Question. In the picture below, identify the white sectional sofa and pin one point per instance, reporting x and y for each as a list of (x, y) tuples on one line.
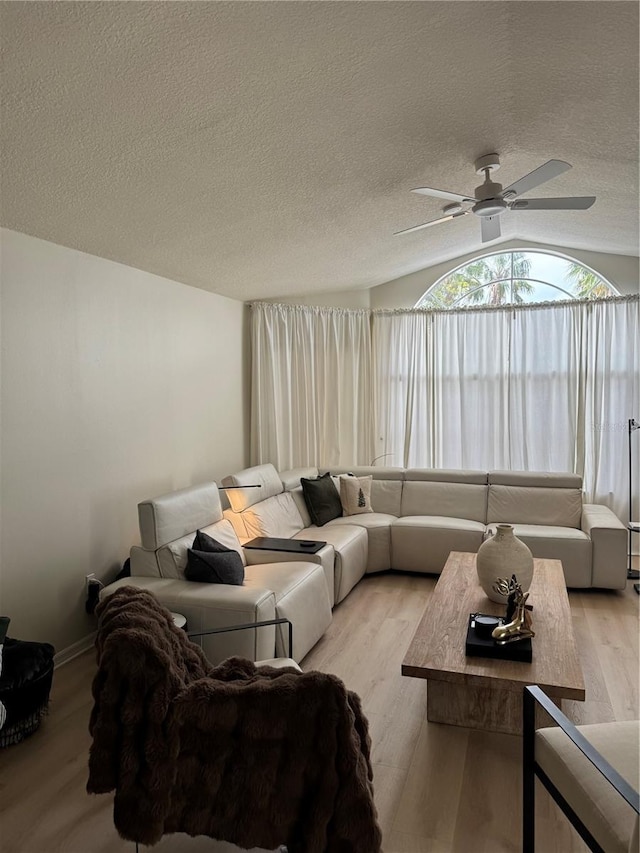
[(420, 515)]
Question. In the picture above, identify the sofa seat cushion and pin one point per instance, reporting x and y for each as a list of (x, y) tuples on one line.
[(441, 522), (378, 527), (606, 815), (350, 543), (301, 595), (422, 543), (571, 546)]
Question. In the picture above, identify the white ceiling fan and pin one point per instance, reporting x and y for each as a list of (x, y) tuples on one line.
[(491, 200)]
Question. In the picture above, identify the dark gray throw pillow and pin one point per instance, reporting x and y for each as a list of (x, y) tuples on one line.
[(322, 499), (209, 561), (204, 542)]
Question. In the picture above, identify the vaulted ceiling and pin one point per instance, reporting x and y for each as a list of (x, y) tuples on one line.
[(261, 149)]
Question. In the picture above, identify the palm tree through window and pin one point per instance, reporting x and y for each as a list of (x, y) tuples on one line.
[(516, 278)]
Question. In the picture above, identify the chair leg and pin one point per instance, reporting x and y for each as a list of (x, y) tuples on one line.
[(528, 773)]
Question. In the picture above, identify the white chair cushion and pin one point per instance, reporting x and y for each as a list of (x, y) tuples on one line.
[(606, 815), (279, 663)]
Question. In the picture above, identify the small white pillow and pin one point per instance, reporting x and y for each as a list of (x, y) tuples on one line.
[(355, 494)]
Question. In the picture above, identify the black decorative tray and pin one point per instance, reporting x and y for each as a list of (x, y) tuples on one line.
[(476, 646), (292, 546)]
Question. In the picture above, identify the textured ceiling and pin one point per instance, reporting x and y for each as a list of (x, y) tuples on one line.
[(268, 149)]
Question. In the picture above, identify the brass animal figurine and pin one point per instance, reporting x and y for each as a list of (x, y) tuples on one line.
[(518, 623)]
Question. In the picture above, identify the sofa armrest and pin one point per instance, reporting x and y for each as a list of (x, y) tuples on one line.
[(212, 605), (325, 557), (609, 546)]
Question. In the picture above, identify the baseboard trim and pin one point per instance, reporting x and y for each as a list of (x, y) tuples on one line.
[(74, 650)]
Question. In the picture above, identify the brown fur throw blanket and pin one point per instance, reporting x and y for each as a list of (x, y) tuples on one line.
[(258, 757)]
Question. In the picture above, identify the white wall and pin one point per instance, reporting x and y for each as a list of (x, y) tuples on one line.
[(117, 385), (621, 270)]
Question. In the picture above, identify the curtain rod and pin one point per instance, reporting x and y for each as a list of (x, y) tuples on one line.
[(469, 309)]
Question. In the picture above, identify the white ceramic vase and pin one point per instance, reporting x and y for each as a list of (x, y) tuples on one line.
[(501, 556)]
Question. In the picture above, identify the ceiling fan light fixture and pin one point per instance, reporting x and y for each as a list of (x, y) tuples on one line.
[(490, 207)]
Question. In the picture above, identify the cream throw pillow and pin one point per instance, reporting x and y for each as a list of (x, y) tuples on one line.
[(355, 494)]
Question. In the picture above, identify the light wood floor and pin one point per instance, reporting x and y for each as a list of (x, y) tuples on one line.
[(438, 788)]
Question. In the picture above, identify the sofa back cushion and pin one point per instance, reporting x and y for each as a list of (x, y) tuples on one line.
[(291, 478), (535, 497), (172, 557), (452, 494), (543, 479), (264, 476), (555, 507), (451, 500), (297, 496), (277, 516), (173, 515), (386, 496)]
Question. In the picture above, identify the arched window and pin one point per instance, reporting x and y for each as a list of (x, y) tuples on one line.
[(508, 278)]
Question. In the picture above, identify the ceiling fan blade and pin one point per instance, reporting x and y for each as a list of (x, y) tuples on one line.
[(576, 203), (442, 194), (432, 222), (490, 228), (548, 170)]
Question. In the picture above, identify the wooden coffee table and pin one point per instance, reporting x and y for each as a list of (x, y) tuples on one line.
[(484, 693)]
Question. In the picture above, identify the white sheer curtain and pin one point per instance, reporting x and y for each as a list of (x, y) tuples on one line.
[(547, 388), (311, 386)]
